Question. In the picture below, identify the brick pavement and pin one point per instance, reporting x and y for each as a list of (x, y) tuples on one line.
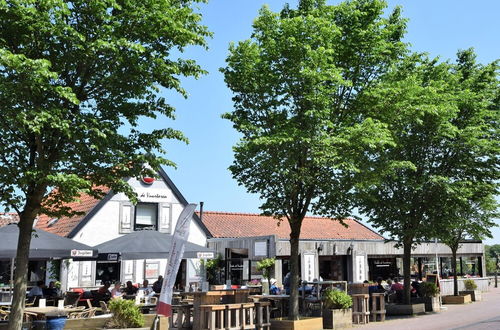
[(480, 315)]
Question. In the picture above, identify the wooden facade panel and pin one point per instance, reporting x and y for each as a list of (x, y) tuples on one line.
[(376, 248), (221, 244)]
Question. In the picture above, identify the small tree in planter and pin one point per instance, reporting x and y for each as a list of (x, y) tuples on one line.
[(125, 315), (337, 312), (266, 266), (470, 288), (430, 293)]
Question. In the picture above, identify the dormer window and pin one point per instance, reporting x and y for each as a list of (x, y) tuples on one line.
[(146, 216)]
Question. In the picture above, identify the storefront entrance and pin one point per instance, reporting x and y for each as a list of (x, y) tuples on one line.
[(237, 269), (382, 267), (333, 268)]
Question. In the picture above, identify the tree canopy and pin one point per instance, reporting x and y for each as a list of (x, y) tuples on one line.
[(296, 84), (442, 171), (75, 78)]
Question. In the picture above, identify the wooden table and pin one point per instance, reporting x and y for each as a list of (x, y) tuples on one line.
[(231, 296), (43, 311)]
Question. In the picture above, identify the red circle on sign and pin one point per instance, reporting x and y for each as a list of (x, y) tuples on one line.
[(148, 180)]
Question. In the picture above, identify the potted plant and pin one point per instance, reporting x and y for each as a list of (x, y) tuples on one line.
[(337, 311), (470, 288), (430, 297), (125, 315)]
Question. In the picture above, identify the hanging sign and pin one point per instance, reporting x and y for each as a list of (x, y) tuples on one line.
[(179, 239), (82, 253), (205, 255)]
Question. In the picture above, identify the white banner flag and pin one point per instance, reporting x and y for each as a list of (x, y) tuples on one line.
[(179, 239)]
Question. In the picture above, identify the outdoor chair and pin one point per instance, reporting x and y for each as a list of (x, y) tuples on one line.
[(104, 307), (4, 315), (71, 298), (32, 301), (86, 313)]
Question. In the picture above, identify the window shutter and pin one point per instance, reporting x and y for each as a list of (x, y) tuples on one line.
[(126, 217), (164, 217)]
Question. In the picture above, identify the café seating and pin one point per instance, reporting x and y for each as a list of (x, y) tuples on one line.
[(181, 317), (360, 312), (262, 315), (212, 317), (378, 307), (86, 313)]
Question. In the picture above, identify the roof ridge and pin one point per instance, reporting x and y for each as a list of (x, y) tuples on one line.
[(261, 215)]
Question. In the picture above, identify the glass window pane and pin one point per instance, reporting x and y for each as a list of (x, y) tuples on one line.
[(146, 214)]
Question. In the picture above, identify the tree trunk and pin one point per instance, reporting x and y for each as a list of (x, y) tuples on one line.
[(294, 271), (407, 272), (21, 271), (454, 268)]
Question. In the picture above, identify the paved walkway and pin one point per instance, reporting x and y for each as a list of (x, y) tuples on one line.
[(479, 315)]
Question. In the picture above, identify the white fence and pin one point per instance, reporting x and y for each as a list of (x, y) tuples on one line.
[(447, 285)]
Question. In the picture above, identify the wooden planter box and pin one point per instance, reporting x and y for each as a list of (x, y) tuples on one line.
[(100, 322), (462, 299), (399, 309), (337, 318), (432, 304), (474, 294), (305, 323)]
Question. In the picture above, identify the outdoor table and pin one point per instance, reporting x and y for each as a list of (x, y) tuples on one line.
[(213, 298), (43, 311)]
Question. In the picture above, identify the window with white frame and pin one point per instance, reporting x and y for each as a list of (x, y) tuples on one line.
[(146, 216)]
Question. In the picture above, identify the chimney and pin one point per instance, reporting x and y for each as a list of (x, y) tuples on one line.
[(201, 211)]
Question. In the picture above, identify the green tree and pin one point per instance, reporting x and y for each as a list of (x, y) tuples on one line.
[(467, 220), (471, 182), (296, 83), (75, 78), (490, 254), (445, 153)]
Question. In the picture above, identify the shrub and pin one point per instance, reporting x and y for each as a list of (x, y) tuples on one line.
[(470, 285), (335, 299), (429, 289), (125, 314)]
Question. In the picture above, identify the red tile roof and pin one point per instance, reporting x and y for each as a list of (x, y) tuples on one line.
[(8, 217), (64, 225), (222, 224)]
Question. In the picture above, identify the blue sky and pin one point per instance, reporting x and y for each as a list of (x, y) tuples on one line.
[(439, 27)]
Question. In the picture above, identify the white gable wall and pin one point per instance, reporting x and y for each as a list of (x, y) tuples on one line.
[(105, 224)]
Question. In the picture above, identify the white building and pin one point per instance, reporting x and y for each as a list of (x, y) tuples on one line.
[(160, 204)]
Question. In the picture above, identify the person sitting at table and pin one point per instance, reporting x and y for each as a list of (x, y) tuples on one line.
[(105, 288), (158, 284), (116, 292), (37, 291), (130, 289), (51, 291), (145, 289), (274, 289), (396, 286)]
